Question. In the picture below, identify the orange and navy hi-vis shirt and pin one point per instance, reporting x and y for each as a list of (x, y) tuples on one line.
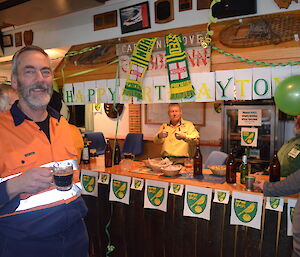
[(24, 146)]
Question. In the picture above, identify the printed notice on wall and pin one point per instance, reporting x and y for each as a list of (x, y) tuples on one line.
[(249, 118)]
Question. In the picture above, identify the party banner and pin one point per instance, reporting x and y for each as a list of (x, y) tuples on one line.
[(156, 195), (137, 184), (249, 136), (197, 202), (241, 84), (221, 196), (104, 178), (119, 189), (290, 214), (274, 203), (246, 209), (176, 189), (89, 182)]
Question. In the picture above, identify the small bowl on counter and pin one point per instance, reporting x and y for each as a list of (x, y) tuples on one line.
[(218, 170), (171, 170)]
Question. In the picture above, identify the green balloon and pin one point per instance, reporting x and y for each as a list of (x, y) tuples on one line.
[(287, 95)]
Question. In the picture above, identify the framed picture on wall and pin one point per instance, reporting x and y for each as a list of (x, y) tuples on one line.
[(164, 11), (185, 5), (135, 17), (18, 39), (7, 40), (158, 113), (105, 20)]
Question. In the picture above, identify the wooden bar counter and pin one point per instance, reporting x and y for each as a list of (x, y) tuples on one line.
[(138, 232)]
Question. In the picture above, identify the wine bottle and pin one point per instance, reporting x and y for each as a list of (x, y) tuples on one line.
[(85, 156), (230, 169), (117, 155), (108, 155), (243, 169), (274, 168), (197, 161)]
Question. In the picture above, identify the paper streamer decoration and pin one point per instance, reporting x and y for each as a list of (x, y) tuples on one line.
[(221, 196), (197, 202), (137, 184), (246, 209), (89, 182), (104, 178), (290, 215), (249, 136), (119, 189), (274, 203), (156, 195), (176, 189)]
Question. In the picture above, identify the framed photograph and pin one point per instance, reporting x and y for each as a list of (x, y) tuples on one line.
[(135, 17), (185, 5), (105, 20), (164, 11), (18, 39), (7, 40), (158, 113), (203, 4)]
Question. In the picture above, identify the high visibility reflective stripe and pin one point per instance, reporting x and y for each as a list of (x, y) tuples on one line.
[(9, 177), (49, 197)]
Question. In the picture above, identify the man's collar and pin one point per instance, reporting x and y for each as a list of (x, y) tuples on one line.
[(180, 122), (19, 116)]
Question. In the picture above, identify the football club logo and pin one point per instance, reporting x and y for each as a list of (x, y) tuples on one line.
[(137, 183), (221, 196), (119, 188), (245, 210), (248, 137), (196, 202), (155, 195), (89, 183), (176, 188), (274, 203), (104, 178), (292, 213)]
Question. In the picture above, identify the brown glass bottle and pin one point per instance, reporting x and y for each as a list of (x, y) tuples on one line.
[(274, 168), (230, 169), (117, 154), (85, 156), (197, 161), (108, 155)]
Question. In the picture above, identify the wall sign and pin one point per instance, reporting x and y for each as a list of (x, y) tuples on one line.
[(164, 11), (249, 118), (105, 20)]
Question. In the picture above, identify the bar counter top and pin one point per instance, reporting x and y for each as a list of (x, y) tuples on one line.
[(95, 165)]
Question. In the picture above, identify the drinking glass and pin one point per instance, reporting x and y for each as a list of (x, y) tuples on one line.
[(63, 176)]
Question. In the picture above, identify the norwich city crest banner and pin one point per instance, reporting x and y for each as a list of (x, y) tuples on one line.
[(137, 184), (274, 203), (290, 215), (176, 189), (246, 209), (197, 202), (89, 182), (119, 189), (249, 137), (221, 196), (156, 195)]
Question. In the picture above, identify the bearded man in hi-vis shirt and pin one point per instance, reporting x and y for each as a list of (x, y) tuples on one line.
[(35, 219)]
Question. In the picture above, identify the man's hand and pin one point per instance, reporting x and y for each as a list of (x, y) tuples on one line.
[(180, 136), (31, 181), (163, 134), (258, 185)]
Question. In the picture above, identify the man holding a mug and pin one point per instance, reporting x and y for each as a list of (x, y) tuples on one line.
[(34, 136)]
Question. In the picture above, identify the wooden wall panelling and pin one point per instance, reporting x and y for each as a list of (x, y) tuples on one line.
[(135, 125)]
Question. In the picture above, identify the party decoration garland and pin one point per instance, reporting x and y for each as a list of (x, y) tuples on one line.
[(178, 71), (138, 65)]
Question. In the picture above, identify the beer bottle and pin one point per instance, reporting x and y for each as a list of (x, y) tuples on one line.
[(108, 155), (117, 155), (85, 157), (230, 169), (197, 160), (243, 169), (274, 168)]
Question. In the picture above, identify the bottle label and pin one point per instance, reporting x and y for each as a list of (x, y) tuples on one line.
[(85, 153)]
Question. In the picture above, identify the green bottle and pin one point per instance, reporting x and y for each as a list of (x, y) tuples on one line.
[(243, 169)]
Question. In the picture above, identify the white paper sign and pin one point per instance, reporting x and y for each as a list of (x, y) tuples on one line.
[(290, 215), (119, 189), (274, 203), (137, 184), (89, 182), (221, 196), (249, 117), (246, 209), (104, 178), (249, 136), (176, 189), (197, 202), (156, 195)]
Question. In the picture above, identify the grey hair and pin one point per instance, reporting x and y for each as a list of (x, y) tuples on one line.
[(22, 50)]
